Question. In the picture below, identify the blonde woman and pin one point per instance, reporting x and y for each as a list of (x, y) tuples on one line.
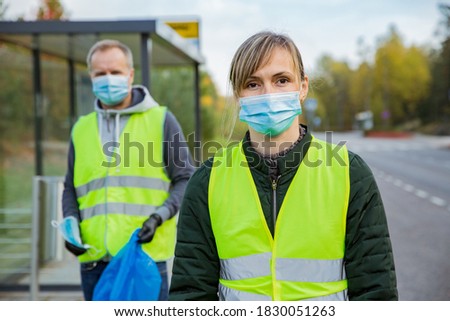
[(282, 215)]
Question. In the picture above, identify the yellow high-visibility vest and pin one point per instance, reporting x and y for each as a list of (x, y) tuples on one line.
[(304, 258), (118, 187)]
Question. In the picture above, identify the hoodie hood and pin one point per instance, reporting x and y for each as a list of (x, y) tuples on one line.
[(112, 121)]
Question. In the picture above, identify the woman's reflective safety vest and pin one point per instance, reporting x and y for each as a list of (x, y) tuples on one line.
[(119, 185), (304, 259)]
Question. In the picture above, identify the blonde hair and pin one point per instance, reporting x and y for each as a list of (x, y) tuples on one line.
[(106, 44), (252, 54), (256, 52)]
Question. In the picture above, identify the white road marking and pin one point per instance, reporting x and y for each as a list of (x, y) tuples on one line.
[(411, 189), (421, 194), (437, 201), (408, 188), (398, 182)]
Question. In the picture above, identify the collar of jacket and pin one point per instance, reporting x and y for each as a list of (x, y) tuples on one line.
[(285, 163)]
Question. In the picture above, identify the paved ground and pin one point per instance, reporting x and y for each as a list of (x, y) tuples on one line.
[(59, 280)]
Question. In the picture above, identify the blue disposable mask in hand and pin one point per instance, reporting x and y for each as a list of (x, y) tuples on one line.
[(70, 230), (270, 114), (111, 89)]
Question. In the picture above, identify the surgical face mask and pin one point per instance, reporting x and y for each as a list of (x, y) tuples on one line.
[(70, 231), (270, 114), (110, 89)]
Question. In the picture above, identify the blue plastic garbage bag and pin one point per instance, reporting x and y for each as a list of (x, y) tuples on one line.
[(132, 275)]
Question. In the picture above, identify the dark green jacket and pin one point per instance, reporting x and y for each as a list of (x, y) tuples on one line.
[(369, 261)]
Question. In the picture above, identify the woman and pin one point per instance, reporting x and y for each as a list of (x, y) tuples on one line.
[(282, 215)]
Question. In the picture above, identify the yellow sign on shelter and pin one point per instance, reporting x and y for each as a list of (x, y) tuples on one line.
[(188, 29)]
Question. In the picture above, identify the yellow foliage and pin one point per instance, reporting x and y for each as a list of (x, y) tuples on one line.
[(206, 101)]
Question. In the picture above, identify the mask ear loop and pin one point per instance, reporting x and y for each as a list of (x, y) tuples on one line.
[(54, 223)]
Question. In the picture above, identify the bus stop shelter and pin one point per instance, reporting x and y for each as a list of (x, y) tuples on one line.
[(152, 42)]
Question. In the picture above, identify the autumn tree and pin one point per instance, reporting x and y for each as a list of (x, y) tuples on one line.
[(212, 105), (51, 10), (360, 89), (361, 80), (401, 79), (331, 84)]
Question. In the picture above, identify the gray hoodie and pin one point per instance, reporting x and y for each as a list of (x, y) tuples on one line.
[(177, 159)]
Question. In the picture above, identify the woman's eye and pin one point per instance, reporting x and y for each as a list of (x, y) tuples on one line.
[(283, 81), (252, 85)]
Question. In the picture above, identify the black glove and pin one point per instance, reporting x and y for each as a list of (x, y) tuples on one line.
[(75, 250), (149, 228)]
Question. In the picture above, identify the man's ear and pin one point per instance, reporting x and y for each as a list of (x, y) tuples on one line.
[(131, 76)]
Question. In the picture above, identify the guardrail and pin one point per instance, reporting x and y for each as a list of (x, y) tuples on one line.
[(27, 238)]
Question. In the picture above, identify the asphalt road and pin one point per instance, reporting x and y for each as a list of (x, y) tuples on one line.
[(413, 175)]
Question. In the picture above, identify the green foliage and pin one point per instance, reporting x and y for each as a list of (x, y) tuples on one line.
[(16, 113), (401, 77), (435, 109), (332, 87), (210, 103), (174, 87)]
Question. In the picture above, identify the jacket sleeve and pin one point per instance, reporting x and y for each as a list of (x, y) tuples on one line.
[(195, 274), (69, 198), (178, 165), (369, 259)]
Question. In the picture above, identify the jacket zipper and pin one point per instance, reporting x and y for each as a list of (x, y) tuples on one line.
[(274, 200)]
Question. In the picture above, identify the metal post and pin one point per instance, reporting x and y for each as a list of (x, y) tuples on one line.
[(146, 52), (54, 246), (72, 90), (38, 108), (198, 119), (34, 275)]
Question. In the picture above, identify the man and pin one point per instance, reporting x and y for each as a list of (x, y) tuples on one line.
[(128, 165)]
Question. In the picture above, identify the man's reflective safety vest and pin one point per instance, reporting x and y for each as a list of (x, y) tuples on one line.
[(304, 259), (118, 186)]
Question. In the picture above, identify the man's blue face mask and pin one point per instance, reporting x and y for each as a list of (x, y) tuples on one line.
[(111, 89), (270, 114), (70, 231)]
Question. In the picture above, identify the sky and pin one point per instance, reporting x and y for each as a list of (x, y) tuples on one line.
[(318, 27)]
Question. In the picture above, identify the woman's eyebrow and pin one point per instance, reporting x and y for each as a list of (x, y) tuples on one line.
[(283, 73)]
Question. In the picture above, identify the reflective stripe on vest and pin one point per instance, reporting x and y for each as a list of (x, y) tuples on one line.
[(117, 189), (258, 265), (304, 260), (130, 181), (229, 294), (117, 208)]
